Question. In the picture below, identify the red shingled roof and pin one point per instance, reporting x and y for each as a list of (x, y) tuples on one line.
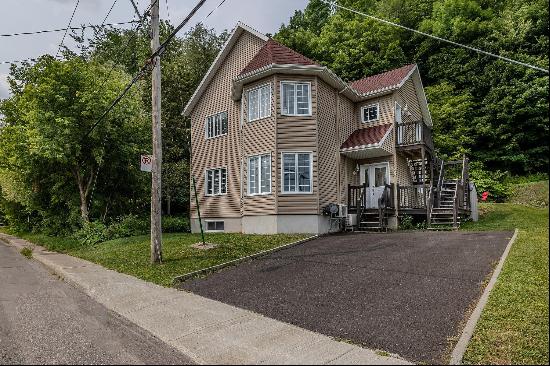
[(380, 81), (275, 53), (366, 136)]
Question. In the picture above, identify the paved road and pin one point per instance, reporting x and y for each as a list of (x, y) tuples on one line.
[(44, 320), (405, 292)]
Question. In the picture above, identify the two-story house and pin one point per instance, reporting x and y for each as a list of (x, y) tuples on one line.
[(276, 138)]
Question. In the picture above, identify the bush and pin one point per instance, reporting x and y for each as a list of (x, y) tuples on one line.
[(91, 233), (406, 222), (175, 224), (492, 182), (129, 225)]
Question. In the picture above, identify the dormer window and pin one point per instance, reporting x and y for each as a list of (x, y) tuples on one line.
[(370, 113), (295, 98)]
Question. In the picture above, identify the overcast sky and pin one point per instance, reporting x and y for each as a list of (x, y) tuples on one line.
[(32, 15)]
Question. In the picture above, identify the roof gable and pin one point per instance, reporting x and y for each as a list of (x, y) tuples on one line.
[(274, 53), (239, 29), (387, 80)]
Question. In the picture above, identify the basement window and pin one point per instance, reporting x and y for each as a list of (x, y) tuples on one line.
[(215, 226)]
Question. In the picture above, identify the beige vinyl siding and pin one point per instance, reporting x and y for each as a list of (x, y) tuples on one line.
[(329, 145), (406, 95), (385, 111), (347, 124), (297, 133), (403, 172), (223, 151), (258, 137)]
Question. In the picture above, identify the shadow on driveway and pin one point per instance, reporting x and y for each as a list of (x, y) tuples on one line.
[(406, 293)]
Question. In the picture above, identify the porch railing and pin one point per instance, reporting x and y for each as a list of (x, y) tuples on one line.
[(413, 133), (412, 197)]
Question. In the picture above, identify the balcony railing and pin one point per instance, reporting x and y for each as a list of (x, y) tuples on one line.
[(413, 133)]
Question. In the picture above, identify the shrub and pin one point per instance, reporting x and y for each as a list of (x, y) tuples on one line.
[(406, 222), (91, 233), (492, 182), (129, 225), (175, 224), (26, 252)]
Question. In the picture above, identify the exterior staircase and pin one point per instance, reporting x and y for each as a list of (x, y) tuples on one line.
[(370, 220), (442, 217)]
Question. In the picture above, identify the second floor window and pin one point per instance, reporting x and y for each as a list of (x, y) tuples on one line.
[(370, 113), (297, 172), (259, 102), (295, 98), (216, 125), (216, 181), (259, 174)]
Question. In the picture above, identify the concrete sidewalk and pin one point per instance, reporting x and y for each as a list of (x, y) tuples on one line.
[(207, 331)]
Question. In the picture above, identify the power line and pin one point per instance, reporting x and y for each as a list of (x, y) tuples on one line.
[(63, 29), (68, 26), (149, 61), (109, 12), (334, 4)]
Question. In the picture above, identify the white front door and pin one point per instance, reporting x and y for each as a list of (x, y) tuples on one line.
[(375, 176)]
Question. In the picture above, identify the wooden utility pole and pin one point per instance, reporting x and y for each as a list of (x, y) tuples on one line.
[(156, 208)]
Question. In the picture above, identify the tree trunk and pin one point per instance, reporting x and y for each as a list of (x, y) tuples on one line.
[(84, 191), (168, 205)]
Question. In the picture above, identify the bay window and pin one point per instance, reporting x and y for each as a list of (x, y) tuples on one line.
[(297, 172), (259, 102), (259, 174), (295, 98)]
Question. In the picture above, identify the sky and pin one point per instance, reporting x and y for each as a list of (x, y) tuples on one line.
[(265, 16)]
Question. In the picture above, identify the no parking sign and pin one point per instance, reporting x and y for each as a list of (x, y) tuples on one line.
[(146, 163)]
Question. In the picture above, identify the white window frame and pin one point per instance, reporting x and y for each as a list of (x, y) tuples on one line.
[(257, 88), (214, 122), (259, 156), (283, 192), (214, 231), (377, 105), (309, 114), (220, 183)]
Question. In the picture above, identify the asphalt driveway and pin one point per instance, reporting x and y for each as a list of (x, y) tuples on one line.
[(406, 293)]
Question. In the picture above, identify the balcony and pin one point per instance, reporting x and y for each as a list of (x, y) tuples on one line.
[(413, 135)]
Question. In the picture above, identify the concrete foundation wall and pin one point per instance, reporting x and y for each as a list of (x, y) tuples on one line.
[(270, 224)]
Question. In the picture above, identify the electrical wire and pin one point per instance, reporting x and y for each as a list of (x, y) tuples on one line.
[(68, 26), (62, 29), (507, 59)]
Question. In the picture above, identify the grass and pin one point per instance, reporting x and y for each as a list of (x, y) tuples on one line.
[(532, 194), (131, 255), (26, 252), (513, 328)]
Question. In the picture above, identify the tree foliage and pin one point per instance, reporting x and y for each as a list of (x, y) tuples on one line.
[(495, 112)]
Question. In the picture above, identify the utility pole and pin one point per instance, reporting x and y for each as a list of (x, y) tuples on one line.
[(156, 208)]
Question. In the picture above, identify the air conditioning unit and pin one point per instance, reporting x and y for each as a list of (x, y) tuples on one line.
[(342, 210), (352, 220)]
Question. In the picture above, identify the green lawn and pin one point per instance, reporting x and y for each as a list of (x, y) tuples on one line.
[(131, 255), (513, 328)]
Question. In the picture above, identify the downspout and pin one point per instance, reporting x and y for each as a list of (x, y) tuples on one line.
[(241, 120), (338, 156)]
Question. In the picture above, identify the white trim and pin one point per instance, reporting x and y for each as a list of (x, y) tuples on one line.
[(377, 104), (296, 82), (206, 182), (260, 175), (283, 192), (248, 120), (239, 28)]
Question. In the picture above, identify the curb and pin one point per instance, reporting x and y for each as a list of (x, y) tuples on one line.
[(182, 278), (462, 344)]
